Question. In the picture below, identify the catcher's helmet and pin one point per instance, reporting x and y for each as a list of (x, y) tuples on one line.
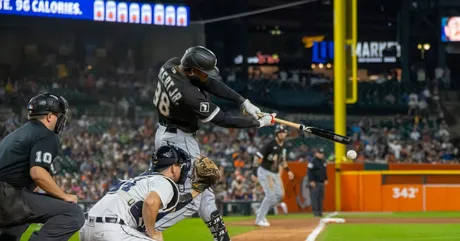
[(43, 104), (170, 155), (280, 128), (201, 58)]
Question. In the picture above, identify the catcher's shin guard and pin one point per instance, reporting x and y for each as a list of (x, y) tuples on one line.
[(217, 227)]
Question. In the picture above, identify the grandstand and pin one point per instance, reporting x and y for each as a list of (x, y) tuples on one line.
[(402, 126)]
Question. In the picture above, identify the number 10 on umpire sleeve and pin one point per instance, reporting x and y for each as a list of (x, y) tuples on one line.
[(44, 157)]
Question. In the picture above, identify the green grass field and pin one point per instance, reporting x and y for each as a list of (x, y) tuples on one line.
[(195, 229), (191, 229), (393, 232)]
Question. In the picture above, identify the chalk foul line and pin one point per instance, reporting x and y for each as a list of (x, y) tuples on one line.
[(322, 223)]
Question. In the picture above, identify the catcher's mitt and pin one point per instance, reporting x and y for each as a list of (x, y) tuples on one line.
[(205, 174)]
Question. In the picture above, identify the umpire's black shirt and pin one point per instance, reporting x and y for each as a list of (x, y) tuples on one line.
[(317, 170), (30, 145)]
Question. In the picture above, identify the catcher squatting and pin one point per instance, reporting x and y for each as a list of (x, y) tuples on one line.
[(130, 210)]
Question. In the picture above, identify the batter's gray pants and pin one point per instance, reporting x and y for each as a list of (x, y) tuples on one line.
[(274, 192), (204, 203), (317, 197)]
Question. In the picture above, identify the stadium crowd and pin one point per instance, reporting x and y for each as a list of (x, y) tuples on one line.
[(97, 152)]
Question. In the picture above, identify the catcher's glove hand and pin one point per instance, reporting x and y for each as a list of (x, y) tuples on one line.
[(205, 174)]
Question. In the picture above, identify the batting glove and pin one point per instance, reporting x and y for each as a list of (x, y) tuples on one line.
[(267, 120), (249, 108)]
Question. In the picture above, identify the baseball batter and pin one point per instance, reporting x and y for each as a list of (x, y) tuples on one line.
[(273, 154), (130, 210), (182, 103)]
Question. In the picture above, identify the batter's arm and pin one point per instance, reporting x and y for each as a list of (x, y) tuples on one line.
[(229, 121), (210, 112), (219, 89)]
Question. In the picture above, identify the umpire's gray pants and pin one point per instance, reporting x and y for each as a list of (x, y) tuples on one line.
[(205, 203), (274, 192), (317, 197)]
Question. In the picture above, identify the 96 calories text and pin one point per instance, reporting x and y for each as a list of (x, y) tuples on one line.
[(47, 7)]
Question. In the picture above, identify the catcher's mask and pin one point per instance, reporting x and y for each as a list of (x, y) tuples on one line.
[(169, 155)]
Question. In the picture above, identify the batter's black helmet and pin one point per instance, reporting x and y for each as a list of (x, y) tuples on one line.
[(201, 58), (170, 155), (43, 104)]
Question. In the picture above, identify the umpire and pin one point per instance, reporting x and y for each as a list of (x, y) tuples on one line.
[(26, 161), (317, 175)]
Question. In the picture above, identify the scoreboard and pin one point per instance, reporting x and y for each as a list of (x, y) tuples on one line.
[(100, 10)]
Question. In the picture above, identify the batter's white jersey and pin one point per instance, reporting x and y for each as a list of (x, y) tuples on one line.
[(127, 198)]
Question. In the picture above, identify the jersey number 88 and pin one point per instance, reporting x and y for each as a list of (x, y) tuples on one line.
[(161, 100)]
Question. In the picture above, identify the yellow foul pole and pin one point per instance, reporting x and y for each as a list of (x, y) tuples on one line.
[(339, 90)]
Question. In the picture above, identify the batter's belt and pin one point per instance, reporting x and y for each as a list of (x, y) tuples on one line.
[(173, 130)]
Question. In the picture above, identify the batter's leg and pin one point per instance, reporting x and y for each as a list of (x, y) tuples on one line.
[(255, 207), (269, 199), (158, 135), (284, 207), (172, 218), (278, 188), (212, 217), (189, 144), (279, 191)]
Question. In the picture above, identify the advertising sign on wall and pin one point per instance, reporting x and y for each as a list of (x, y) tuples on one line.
[(366, 51), (99, 10), (260, 58)]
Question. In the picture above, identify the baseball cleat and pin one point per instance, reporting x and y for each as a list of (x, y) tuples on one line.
[(263, 223)]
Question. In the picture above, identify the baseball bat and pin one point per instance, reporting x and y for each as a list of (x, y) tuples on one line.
[(328, 135)]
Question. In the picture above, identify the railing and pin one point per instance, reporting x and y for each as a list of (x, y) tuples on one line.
[(228, 208)]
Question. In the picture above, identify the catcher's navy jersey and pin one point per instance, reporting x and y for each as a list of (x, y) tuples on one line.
[(179, 103), (272, 155), (30, 145)]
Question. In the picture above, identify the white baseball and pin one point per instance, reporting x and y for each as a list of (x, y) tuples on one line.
[(352, 154)]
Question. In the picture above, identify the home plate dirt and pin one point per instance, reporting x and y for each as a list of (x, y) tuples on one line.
[(280, 229)]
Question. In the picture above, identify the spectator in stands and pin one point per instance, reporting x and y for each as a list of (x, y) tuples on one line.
[(415, 134), (413, 104)]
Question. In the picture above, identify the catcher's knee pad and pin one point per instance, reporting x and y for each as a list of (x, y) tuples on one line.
[(217, 227)]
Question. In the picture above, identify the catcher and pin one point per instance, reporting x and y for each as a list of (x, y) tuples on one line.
[(130, 210)]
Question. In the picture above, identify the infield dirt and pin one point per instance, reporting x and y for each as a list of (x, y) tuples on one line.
[(280, 229)]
